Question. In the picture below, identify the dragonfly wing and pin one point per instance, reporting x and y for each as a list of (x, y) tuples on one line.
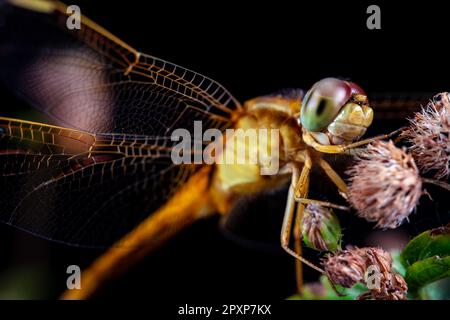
[(89, 79), (397, 106), (74, 188), (80, 188)]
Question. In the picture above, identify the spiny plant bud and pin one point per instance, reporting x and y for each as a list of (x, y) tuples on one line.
[(348, 267), (385, 185), (378, 257), (429, 136), (392, 287), (345, 267), (320, 228)]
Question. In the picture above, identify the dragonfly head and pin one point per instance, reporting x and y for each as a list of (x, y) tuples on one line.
[(335, 111)]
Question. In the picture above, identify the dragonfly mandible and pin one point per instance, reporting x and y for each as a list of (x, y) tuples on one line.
[(103, 176)]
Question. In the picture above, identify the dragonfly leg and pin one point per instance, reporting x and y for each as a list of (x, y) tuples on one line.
[(298, 246), (355, 151), (286, 231), (343, 148), (301, 190), (301, 197), (303, 185), (322, 203), (303, 180), (334, 176)]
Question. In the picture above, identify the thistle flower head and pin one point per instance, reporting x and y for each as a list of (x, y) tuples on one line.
[(429, 136), (378, 257), (320, 228), (385, 185), (345, 267), (392, 287), (348, 267)]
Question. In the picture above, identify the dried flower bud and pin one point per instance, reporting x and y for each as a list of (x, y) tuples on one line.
[(385, 185), (392, 287), (320, 228), (348, 267), (345, 267), (429, 136), (378, 257)]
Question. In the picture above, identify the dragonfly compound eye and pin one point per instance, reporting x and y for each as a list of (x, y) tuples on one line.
[(323, 102)]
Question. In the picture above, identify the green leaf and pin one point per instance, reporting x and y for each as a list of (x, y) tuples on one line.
[(435, 242), (427, 271), (397, 263), (438, 290), (427, 258)]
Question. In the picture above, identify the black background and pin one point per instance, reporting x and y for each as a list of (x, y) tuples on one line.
[(252, 48)]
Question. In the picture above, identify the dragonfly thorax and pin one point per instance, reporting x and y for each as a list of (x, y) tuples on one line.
[(274, 113)]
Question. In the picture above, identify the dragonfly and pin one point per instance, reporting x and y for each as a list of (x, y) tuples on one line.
[(103, 175)]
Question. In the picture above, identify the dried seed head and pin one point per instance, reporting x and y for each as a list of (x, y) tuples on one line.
[(429, 136), (378, 257), (385, 185), (320, 228), (392, 287), (345, 267), (348, 267)]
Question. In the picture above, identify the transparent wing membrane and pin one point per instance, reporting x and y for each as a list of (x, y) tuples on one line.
[(90, 185), (80, 188), (90, 80), (398, 106)]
